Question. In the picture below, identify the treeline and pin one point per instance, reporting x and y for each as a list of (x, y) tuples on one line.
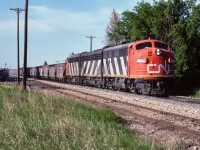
[(176, 22)]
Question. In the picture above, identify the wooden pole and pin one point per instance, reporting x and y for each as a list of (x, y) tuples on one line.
[(25, 45)]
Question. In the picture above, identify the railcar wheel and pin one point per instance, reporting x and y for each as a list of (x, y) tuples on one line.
[(134, 90)]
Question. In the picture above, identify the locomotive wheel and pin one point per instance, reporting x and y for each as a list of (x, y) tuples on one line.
[(133, 91)]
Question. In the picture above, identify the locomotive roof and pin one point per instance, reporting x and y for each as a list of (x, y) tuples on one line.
[(118, 47), (92, 53), (121, 46), (85, 53), (75, 55)]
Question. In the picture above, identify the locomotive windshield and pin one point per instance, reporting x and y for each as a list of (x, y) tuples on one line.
[(143, 45), (161, 45)]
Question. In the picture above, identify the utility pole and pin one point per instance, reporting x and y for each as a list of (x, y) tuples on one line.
[(91, 38), (25, 44), (17, 10)]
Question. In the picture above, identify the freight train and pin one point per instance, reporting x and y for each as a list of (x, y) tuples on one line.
[(142, 67)]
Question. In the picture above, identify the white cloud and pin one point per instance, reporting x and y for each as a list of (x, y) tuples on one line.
[(48, 19)]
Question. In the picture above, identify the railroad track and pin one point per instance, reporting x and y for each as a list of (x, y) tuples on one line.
[(174, 98), (187, 126), (185, 99)]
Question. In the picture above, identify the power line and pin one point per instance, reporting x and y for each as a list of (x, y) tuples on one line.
[(57, 28)]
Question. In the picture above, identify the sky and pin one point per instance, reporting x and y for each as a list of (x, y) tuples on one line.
[(56, 28)]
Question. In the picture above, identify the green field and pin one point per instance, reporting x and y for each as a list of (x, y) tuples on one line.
[(30, 120)]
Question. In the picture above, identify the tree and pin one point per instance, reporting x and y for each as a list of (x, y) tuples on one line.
[(176, 22), (193, 38), (111, 36), (186, 39), (45, 63), (180, 44)]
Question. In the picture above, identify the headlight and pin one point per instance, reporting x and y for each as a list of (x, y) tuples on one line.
[(141, 60), (158, 52)]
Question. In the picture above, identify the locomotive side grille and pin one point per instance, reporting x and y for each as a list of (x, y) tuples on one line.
[(73, 68), (95, 65), (77, 69), (105, 66), (70, 71), (115, 61), (83, 67), (88, 67), (123, 65), (110, 61), (92, 67), (115, 66), (97, 68)]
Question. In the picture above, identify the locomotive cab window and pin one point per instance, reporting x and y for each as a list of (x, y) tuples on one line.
[(143, 45), (161, 45)]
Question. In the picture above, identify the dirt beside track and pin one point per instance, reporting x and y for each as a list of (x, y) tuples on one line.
[(148, 117)]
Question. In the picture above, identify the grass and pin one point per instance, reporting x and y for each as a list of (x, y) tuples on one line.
[(197, 94), (31, 120)]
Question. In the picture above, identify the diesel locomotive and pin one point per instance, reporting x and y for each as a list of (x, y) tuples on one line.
[(142, 67)]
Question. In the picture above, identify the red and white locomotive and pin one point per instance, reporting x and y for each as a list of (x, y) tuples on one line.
[(143, 67)]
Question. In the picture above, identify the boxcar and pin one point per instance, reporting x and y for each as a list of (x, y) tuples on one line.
[(52, 72), (46, 71), (41, 72), (61, 72), (27, 72), (34, 72)]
